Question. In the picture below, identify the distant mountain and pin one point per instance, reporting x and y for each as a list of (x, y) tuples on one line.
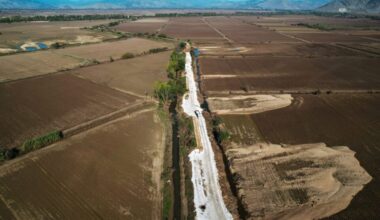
[(112, 4), (293, 4), (372, 6), (9, 4)]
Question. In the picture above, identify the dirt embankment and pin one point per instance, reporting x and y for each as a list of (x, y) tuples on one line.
[(307, 181), (248, 104)]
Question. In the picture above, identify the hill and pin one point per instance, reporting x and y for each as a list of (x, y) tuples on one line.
[(371, 6)]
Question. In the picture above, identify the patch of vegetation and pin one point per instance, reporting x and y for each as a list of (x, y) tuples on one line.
[(127, 56), (221, 134), (322, 27), (158, 50), (167, 197), (40, 142), (176, 64), (58, 45), (187, 139), (176, 86), (18, 18), (8, 154)]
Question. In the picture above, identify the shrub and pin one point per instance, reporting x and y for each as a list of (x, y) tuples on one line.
[(220, 132), (182, 45), (128, 56), (42, 141), (162, 36), (8, 154), (157, 50)]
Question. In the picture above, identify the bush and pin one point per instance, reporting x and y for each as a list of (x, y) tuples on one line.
[(58, 45), (8, 154), (176, 64), (157, 50), (128, 56), (42, 141), (162, 36), (182, 45), (220, 132)]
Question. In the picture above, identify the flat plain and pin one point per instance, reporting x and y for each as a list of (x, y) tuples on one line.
[(292, 53), (133, 75), (31, 64), (34, 107), (289, 73), (112, 171), (16, 34)]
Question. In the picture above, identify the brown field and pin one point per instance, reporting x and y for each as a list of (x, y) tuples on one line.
[(111, 172), (373, 48), (133, 75), (25, 65), (34, 107), (349, 120), (244, 33), (103, 51), (302, 49), (331, 38), (16, 34), (242, 129), (280, 73), (272, 54), (190, 28), (338, 23), (143, 26)]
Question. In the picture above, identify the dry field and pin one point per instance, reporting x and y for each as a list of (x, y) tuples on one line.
[(337, 120), (143, 26), (135, 76), (103, 51), (271, 54), (17, 34), (193, 28), (309, 181), (34, 107), (288, 73), (348, 120), (19, 66), (343, 30), (240, 32), (110, 172), (25, 65)]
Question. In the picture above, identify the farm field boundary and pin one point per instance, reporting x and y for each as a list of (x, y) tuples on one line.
[(305, 92), (127, 111)]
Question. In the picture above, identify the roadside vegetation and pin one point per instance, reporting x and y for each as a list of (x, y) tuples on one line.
[(168, 93), (222, 136)]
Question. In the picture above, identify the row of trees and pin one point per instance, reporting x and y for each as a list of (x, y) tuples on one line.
[(176, 85), (18, 18)]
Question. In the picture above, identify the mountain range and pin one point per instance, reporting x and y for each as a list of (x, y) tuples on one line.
[(323, 5), (352, 6)]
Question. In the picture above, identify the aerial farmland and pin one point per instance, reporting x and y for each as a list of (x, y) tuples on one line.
[(173, 114)]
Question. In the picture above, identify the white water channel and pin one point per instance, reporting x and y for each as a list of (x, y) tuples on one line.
[(208, 200)]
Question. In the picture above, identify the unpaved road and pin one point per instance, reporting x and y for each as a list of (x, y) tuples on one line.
[(208, 198)]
